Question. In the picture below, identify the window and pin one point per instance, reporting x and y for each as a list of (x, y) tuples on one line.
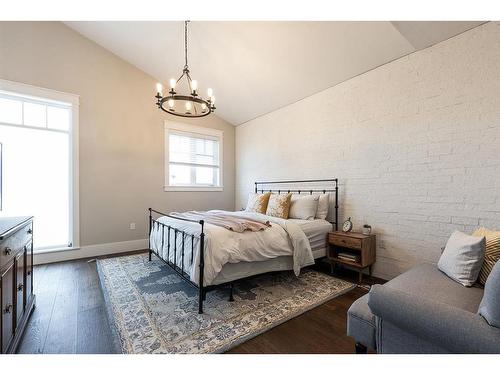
[(39, 165), (193, 158)]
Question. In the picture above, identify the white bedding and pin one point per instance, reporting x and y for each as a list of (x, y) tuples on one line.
[(222, 246)]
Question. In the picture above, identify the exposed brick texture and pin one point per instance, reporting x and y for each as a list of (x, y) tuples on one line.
[(415, 144)]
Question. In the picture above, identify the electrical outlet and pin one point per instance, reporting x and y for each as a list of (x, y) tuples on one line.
[(132, 226)]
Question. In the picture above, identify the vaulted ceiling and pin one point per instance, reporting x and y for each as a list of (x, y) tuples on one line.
[(257, 67)]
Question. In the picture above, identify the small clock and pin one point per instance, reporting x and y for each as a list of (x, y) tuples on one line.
[(347, 226)]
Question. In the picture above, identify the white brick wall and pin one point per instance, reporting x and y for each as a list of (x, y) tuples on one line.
[(415, 144)]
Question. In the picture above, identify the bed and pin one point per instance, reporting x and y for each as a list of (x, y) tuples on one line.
[(209, 256)]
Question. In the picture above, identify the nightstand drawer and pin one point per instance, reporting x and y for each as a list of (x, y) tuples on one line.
[(352, 243)]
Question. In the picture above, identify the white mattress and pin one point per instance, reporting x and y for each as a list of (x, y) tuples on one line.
[(316, 231), (236, 271)]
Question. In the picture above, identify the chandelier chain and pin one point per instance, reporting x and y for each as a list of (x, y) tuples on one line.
[(186, 44)]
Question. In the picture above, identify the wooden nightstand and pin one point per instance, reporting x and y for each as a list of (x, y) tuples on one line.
[(352, 244)]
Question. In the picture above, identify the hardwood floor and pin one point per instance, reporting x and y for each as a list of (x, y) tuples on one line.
[(70, 317)]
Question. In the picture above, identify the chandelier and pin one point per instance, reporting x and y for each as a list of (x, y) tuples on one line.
[(185, 105)]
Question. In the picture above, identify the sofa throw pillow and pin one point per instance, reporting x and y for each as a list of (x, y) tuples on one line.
[(489, 307), (279, 205), (492, 252), (257, 202), (462, 258), (303, 207), (324, 200)]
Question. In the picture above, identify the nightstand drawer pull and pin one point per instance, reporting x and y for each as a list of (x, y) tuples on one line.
[(8, 251)]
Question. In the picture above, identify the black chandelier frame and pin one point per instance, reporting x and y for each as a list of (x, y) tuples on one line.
[(162, 101)]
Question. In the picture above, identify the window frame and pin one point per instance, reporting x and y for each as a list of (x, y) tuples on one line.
[(176, 127), (39, 94)]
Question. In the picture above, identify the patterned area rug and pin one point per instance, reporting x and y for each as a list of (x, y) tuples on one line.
[(152, 310)]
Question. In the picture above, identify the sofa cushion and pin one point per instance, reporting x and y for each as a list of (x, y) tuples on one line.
[(489, 308), (361, 323), (463, 257), (425, 280)]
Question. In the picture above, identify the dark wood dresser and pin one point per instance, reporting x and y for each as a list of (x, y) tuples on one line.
[(16, 273)]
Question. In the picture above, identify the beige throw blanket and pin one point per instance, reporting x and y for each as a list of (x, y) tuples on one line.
[(219, 218)]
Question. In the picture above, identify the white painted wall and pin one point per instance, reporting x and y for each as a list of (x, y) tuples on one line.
[(121, 135), (415, 144)]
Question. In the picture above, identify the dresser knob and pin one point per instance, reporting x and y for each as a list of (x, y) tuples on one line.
[(8, 309), (20, 287), (29, 273), (30, 231), (8, 251)]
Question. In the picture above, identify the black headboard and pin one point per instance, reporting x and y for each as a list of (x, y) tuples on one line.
[(303, 186)]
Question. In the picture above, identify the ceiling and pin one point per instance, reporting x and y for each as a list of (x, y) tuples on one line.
[(257, 67)]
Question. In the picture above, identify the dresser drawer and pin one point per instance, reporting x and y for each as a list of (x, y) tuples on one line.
[(353, 243), (10, 246)]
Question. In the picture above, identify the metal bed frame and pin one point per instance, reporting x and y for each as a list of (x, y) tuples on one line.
[(203, 289)]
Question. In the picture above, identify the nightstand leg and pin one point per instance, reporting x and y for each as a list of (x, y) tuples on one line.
[(360, 276), (331, 268), (370, 270)]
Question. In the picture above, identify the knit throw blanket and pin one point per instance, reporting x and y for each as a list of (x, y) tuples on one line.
[(231, 222)]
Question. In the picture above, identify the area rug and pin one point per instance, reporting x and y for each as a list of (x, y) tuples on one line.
[(152, 310)]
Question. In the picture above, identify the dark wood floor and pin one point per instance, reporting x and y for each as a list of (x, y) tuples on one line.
[(70, 317)]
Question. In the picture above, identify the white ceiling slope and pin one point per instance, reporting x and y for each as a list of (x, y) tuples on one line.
[(258, 67)]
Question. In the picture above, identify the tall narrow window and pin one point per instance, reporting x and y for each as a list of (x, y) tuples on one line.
[(36, 133), (193, 158)]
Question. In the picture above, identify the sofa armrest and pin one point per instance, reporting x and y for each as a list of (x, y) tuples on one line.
[(453, 329)]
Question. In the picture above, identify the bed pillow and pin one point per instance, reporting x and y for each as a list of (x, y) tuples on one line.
[(279, 205), (491, 254), (257, 202), (303, 207), (324, 200), (462, 258)]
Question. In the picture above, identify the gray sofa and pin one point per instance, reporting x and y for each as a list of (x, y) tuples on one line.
[(422, 311)]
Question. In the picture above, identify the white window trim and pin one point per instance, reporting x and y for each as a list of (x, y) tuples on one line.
[(170, 125), (74, 173)]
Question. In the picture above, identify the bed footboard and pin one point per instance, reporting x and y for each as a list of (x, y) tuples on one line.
[(177, 252)]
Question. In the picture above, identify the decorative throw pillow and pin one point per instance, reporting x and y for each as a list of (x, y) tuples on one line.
[(492, 253), (279, 205), (322, 212), (257, 202), (489, 308), (462, 258), (303, 206)]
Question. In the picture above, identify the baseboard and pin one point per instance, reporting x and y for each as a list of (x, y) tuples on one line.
[(89, 251)]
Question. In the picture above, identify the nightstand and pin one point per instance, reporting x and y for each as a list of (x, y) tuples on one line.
[(352, 249)]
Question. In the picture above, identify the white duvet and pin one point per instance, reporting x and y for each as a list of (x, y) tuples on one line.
[(222, 246)]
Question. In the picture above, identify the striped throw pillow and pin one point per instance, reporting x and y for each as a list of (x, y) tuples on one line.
[(492, 254)]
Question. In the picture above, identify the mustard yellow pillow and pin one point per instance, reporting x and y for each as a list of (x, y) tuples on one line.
[(492, 253), (279, 205), (257, 202)]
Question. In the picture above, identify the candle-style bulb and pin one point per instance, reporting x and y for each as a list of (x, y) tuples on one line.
[(188, 106), (159, 88), (203, 107), (172, 83), (194, 85), (171, 103), (210, 93)]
